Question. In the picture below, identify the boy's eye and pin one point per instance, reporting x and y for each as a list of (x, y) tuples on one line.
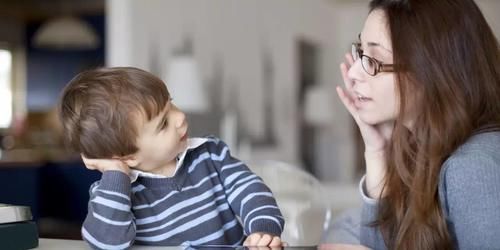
[(164, 124)]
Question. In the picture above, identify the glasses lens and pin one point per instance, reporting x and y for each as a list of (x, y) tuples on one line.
[(369, 65)]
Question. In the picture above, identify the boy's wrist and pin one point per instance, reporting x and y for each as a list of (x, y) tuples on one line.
[(123, 169), (117, 181), (266, 227)]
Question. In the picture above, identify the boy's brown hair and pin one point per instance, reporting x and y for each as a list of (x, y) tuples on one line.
[(98, 109)]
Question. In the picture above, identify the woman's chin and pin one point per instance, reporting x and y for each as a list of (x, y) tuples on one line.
[(373, 120)]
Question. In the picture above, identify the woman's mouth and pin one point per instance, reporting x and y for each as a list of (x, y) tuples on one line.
[(362, 98)]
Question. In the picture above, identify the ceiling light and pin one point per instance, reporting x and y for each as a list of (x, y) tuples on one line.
[(66, 33)]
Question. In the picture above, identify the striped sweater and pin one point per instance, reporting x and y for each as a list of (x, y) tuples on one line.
[(213, 199)]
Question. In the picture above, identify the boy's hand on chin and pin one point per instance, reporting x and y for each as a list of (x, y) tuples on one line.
[(263, 240), (103, 165)]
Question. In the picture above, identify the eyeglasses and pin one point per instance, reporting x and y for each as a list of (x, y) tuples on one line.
[(371, 65)]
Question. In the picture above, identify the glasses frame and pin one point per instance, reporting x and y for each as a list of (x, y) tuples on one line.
[(357, 53)]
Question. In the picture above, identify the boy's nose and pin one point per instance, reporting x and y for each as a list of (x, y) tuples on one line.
[(181, 119)]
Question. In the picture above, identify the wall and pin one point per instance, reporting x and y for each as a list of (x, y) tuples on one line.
[(490, 9), (144, 34), (236, 33), (337, 151), (48, 71)]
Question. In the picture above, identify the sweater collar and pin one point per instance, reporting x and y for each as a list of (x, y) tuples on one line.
[(192, 143)]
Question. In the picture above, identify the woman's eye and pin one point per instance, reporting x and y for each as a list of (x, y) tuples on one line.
[(371, 63)]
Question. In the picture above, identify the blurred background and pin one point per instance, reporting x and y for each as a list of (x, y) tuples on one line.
[(259, 74)]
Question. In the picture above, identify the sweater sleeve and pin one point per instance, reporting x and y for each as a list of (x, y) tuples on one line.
[(110, 223), (470, 191), (370, 236), (249, 198)]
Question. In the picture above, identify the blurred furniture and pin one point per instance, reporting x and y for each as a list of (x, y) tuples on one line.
[(345, 203), (344, 229), (57, 193), (35, 138), (300, 197)]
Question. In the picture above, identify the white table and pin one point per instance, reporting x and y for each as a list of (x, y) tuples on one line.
[(57, 244)]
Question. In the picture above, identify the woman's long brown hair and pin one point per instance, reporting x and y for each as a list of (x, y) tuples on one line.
[(448, 74)]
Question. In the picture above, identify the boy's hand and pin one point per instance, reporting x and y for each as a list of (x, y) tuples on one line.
[(103, 165), (263, 240)]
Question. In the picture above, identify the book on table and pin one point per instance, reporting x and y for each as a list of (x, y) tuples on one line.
[(17, 228)]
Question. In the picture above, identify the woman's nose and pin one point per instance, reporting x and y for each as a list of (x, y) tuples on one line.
[(356, 72)]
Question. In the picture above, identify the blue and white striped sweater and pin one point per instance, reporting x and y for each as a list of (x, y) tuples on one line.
[(213, 199)]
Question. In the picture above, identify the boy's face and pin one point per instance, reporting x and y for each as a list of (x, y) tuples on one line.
[(161, 139)]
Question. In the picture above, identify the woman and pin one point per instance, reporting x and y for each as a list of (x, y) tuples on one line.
[(423, 85)]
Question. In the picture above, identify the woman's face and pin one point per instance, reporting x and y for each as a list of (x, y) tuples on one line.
[(375, 96)]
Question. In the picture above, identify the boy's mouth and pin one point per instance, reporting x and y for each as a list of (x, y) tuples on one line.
[(184, 137)]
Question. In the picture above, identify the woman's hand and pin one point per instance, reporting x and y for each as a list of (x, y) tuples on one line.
[(375, 137), (103, 165)]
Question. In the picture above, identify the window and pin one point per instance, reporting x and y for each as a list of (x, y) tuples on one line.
[(5, 88)]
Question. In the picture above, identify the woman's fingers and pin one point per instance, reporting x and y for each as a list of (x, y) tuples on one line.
[(349, 59), (348, 83), (344, 68), (346, 94), (348, 102)]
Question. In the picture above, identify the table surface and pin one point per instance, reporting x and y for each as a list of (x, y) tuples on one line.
[(58, 244)]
